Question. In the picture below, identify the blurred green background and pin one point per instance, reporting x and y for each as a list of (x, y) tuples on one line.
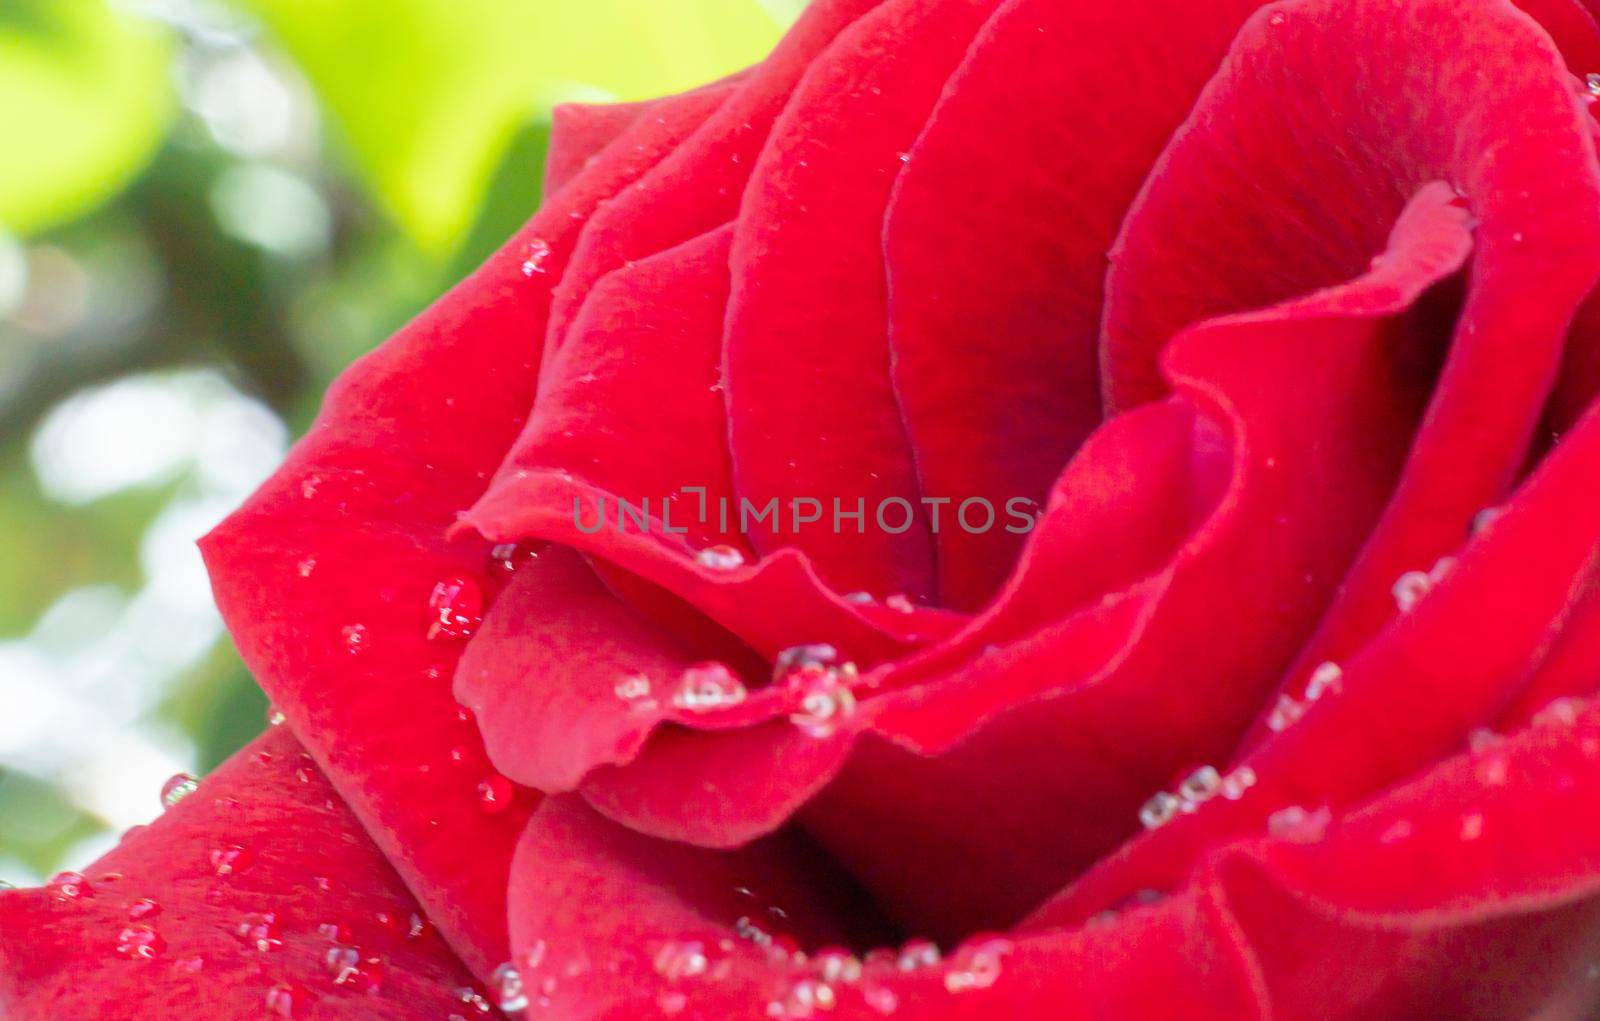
[(207, 208)]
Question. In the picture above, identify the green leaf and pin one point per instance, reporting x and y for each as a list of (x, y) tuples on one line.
[(429, 94), (86, 103)]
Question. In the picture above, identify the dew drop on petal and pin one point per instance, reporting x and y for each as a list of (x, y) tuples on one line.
[(634, 689), (232, 858), (1471, 826), (285, 1000), (507, 558), (306, 567), (1326, 679), (900, 603), (720, 558), (916, 954), (1159, 810), (1200, 785), (1299, 824), (354, 637), (976, 965), (494, 794), (1409, 589), (680, 960), (823, 700), (537, 254), (143, 908), (509, 992), (139, 942), (177, 787), (455, 609), (880, 998), (275, 716), (1237, 782), (70, 885), (705, 687), (1484, 519), (1285, 712), (260, 931)]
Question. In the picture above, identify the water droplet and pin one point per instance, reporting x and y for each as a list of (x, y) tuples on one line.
[(823, 697), (472, 999), (797, 657), (275, 716), (1326, 679), (144, 908), (494, 794), (1397, 831), (705, 687), (900, 603), (859, 598), (455, 609), (335, 932), (634, 689), (802, 999), (232, 858), (976, 965), (177, 787), (417, 926), (1561, 712), (353, 971), (309, 485), (1285, 712), (139, 942), (1200, 785), (1298, 824), (1237, 782), (1485, 519), (834, 965), (918, 953), (537, 255), (306, 566), (1471, 826), (285, 999), (259, 930), (1409, 589), (509, 992), (1159, 810), (1277, 19), (720, 558), (507, 558), (70, 885), (880, 998), (354, 637), (675, 960)]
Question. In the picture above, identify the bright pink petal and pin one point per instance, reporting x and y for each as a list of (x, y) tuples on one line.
[(228, 907)]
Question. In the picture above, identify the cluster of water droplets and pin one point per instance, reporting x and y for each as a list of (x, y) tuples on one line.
[(1326, 679), (1195, 789)]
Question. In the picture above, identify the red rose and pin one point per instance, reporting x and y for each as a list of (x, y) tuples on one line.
[(1279, 710)]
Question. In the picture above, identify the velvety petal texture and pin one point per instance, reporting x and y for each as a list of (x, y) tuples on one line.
[(1007, 508), (256, 896)]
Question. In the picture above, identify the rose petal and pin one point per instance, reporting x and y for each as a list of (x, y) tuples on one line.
[(325, 575), (227, 893), (996, 240), (1314, 211), (612, 917), (813, 416)]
